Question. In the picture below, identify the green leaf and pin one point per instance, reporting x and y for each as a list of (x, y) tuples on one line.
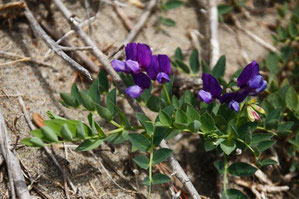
[(123, 119), (90, 144), (75, 93), (205, 67), (193, 61), (241, 169), (194, 126), (154, 103), (49, 134), (292, 99), (178, 55), (111, 101), (69, 100), (219, 68), (207, 122), (36, 142), (146, 123), (161, 155), (182, 66), (277, 101), (80, 133), (66, 133), (117, 138), (228, 146), (159, 178), (272, 63), (104, 112), (172, 4), (292, 29), (167, 21), (235, 194), (142, 161), (95, 126), (264, 145), (146, 181), (224, 9), (219, 164), (268, 162), (189, 98), (159, 134), (164, 118), (284, 128), (168, 86), (181, 117), (282, 34), (87, 101), (139, 141), (259, 137), (94, 91), (192, 114), (170, 133), (103, 81), (209, 145)]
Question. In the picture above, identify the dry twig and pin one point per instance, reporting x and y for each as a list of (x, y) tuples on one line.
[(51, 43), (126, 21), (214, 43), (16, 178)]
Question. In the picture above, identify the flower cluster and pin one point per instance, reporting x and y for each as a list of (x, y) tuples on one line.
[(139, 59), (250, 82)]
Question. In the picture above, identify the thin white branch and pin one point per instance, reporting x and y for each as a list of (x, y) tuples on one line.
[(214, 43)]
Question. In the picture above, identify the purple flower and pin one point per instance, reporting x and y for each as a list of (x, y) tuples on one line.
[(142, 82), (211, 89), (251, 80), (159, 68), (138, 57), (233, 99)]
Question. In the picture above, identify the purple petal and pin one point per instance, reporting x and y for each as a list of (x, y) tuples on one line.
[(262, 88), (142, 80), (250, 71), (205, 96), (144, 55), (235, 96), (134, 91), (153, 68), (256, 82), (131, 51), (164, 64), (210, 84), (120, 66), (133, 65), (162, 78), (233, 105)]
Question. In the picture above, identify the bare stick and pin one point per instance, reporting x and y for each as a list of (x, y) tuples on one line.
[(77, 55), (126, 21), (25, 59), (136, 28), (253, 36), (75, 48), (120, 85), (32, 127), (13, 164), (51, 43), (214, 43)]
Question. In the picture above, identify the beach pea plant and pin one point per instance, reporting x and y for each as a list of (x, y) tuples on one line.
[(226, 115)]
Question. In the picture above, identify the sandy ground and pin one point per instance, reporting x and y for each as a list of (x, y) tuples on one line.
[(40, 87)]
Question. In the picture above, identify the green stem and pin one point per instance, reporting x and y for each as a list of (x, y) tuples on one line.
[(247, 145), (150, 174), (114, 131), (268, 131), (115, 124), (225, 175), (166, 93)]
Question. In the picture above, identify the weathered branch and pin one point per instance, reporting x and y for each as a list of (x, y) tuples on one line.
[(103, 59), (52, 44), (214, 43), (16, 178)]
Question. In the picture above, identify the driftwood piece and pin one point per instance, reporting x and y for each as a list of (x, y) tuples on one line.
[(17, 181), (103, 59), (52, 44)]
